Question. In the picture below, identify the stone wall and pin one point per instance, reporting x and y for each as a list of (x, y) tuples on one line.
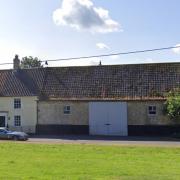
[(52, 120), (138, 113), (52, 112)]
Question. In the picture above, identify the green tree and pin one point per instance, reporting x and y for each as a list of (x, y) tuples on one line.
[(30, 62), (172, 105)]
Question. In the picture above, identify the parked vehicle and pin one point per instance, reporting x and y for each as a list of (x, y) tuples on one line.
[(13, 135)]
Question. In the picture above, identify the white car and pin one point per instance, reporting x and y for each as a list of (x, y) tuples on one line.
[(14, 135)]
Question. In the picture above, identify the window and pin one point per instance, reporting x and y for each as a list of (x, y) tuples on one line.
[(17, 103), (17, 120), (67, 109), (3, 131), (152, 110)]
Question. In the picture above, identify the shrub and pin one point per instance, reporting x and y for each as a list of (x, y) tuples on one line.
[(172, 105)]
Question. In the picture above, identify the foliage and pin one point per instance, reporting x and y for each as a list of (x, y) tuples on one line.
[(53, 161), (172, 105), (30, 62)]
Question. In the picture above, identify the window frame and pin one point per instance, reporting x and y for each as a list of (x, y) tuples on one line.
[(153, 110), (67, 110), (17, 103), (17, 122)]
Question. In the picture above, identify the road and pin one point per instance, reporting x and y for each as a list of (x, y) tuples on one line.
[(129, 141)]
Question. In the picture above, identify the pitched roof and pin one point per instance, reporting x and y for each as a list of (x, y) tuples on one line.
[(22, 82), (112, 82)]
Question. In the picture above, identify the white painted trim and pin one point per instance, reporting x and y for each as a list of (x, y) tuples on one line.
[(70, 110), (151, 115)]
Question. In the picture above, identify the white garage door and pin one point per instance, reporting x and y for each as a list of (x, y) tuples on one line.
[(108, 118)]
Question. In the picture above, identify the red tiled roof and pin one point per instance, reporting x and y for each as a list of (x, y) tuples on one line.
[(112, 82)]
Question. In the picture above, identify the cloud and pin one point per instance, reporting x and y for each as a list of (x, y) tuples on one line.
[(94, 63), (102, 46), (83, 15), (177, 50), (114, 57)]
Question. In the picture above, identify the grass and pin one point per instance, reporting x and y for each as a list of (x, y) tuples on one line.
[(86, 162)]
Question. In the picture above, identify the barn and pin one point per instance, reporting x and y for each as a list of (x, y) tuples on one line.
[(108, 100), (114, 100)]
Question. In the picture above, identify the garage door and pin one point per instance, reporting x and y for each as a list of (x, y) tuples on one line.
[(108, 118)]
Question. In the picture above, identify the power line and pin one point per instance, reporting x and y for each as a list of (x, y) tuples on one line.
[(106, 55), (113, 54)]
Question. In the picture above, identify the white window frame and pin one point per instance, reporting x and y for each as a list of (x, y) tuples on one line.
[(153, 110), (17, 103), (67, 110), (17, 121)]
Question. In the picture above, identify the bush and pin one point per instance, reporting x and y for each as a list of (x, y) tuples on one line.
[(172, 105)]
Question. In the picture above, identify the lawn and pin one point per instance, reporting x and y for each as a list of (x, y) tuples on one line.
[(85, 162)]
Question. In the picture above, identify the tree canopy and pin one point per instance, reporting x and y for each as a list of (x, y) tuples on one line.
[(30, 62), (172, 105)]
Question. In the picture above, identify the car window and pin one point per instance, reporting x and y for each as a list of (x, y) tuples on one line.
[(1, 131)]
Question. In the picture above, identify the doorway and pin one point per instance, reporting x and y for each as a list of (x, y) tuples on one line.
[(3, 120), (108, 118)]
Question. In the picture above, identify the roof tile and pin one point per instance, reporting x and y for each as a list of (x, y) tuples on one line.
[(122, 82)]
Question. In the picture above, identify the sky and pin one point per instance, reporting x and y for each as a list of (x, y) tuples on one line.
[(55, 29)]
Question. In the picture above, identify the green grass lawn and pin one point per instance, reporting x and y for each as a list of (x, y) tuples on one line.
[(84, 162)]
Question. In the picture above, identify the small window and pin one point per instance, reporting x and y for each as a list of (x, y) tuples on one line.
[(67, 110), (17, 120), (17, 103), (152, 110)]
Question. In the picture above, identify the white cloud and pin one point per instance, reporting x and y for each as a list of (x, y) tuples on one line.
[(102, 46), (80, 62), (83, 15), (177, 50), (114, 57), (94, 63), (148, 60)]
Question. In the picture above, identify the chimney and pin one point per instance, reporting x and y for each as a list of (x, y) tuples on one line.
[(16, 62)]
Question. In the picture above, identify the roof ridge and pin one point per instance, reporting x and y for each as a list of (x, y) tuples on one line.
[(110, 65)]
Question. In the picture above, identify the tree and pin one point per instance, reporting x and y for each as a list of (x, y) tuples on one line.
[(172, 105), (30, 62)]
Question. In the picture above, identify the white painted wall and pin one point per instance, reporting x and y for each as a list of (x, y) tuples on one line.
[(28, 112)]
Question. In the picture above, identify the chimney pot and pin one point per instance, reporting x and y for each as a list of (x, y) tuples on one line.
[(100, 64), (16, 62)]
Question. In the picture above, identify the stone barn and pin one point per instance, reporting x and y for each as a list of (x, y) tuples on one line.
[(115, 100)]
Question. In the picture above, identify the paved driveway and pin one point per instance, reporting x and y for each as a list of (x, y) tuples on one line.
[(142, 141)]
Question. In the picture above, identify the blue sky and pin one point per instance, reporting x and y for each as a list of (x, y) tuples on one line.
[(52, 29)]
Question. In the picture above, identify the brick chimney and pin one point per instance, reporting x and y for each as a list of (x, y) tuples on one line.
[(16, 62)]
